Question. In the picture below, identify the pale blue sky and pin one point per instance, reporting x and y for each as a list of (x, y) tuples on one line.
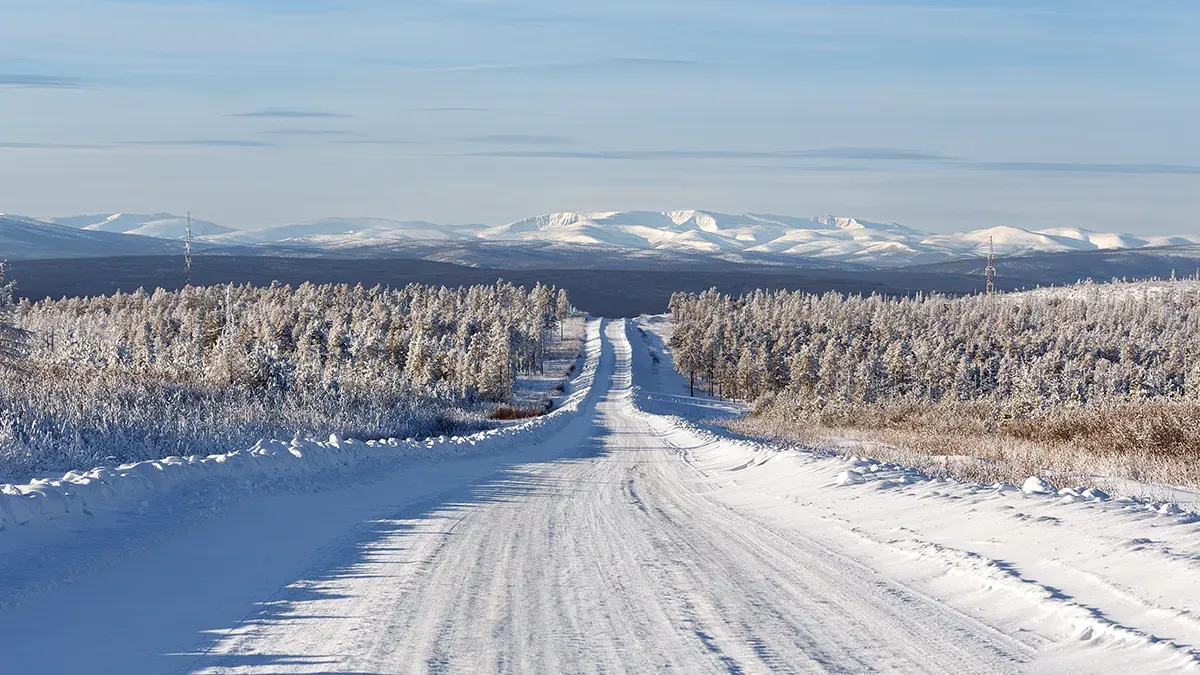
[(941, 115)]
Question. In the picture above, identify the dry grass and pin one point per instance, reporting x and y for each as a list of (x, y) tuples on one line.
[(1154, 442), (507, 413)]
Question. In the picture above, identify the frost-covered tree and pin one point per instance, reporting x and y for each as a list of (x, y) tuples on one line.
[(419, 364), (139, 375), (562, 309), (13, 338), (496, 374), (1082, 345)]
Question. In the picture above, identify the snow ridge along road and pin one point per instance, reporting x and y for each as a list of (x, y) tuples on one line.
[(623, 542)]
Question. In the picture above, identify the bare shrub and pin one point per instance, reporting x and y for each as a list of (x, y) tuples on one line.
[(507, 412), (1154, 442)]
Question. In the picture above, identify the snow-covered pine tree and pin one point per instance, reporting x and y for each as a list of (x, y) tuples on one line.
[(544, 312), (496, 378), (1089, 344), (418, 367), (13, 339), (562, 308)]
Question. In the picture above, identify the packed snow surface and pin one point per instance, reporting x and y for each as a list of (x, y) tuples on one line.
[(829, 238), (618, 534)]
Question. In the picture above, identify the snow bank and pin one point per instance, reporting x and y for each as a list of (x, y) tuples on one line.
[(714, 449), (83, 496), (1093, 580)]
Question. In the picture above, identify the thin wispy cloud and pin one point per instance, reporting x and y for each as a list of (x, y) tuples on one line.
[(849, 153), (311, 7), (548, 154), (310, 132), (40, 81), (374, 141), (856, 158), (1098, 169), (51, 146), (517, 139), (635, 61), (201, 142), (880, 154), (447, 109), (292, 114), (600, 64), (830, 169)]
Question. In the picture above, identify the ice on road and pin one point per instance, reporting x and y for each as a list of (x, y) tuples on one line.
[(605, 549)]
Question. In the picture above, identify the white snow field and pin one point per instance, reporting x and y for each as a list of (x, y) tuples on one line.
[(602, 538)]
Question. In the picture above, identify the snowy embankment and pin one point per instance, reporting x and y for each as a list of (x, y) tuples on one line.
[(81, 498), (1092, 583)]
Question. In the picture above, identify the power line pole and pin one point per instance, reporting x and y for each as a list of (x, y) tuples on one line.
[(990, 270), (187, 253)]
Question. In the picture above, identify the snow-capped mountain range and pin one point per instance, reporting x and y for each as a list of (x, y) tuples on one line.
[(746, 237), (28, 238), (161, 225), (824, 237)]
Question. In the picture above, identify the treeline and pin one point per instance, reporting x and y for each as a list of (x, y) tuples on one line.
[(1086, 345), (433, 340), (141, 375)]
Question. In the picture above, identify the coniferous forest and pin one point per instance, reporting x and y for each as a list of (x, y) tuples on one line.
[(1065, 378), (143, 375)]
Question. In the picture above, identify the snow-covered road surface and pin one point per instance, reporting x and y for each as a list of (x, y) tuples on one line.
[(624, 543)]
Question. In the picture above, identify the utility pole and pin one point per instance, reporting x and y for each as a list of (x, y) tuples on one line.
[(990, 270), (187, 253)]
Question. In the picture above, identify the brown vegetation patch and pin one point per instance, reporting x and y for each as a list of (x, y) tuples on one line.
[(1156, 442), (508, 412)]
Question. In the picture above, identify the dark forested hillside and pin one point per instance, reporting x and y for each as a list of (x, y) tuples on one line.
[(1056, 269), (597, 291)]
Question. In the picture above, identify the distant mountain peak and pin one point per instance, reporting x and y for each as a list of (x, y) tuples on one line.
[(840, 222)]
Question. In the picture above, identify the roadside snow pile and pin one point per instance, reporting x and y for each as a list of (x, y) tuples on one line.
[(848, 478), (82, 494), (1035, 486), (882, 475), (858, 470)]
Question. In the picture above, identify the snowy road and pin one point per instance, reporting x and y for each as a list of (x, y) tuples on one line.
[(605, 549), (609, 561)]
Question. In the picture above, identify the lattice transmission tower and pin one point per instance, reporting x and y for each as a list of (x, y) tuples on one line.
[(990, 270), (187, 252)]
